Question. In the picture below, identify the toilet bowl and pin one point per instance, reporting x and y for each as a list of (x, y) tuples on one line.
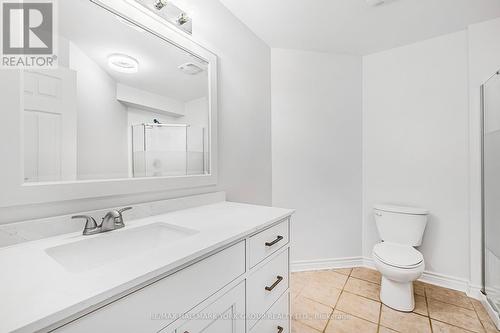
[(399, 266), (400, 229)]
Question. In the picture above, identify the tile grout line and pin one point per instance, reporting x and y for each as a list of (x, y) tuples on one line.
[(379, 318), (338, 299), (428, 311)]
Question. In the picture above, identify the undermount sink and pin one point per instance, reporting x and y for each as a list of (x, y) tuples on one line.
[(112, 246)]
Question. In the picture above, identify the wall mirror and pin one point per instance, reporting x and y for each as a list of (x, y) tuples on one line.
[(130, 99)]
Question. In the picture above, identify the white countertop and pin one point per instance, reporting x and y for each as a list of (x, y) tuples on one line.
[(36, 291)]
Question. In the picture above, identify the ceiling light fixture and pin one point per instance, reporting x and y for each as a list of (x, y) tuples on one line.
[(159, 4), (182, 19), (123, 63)]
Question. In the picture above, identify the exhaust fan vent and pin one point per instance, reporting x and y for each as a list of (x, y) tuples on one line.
[(191, 68)]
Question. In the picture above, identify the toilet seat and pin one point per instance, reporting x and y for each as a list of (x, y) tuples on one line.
[(398, 255)]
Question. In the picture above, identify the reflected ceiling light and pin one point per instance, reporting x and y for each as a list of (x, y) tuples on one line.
[(123, 63)]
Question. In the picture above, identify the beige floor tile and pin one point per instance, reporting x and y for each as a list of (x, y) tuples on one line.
[(480, 310), (298, 327), (454, 315), (300, 279), (383, 329), (421, 305), (344, 323), (359, 306), (418, 288), (366, 274), (321, 292), (310, 313), (489, 326), (363, 288), (343, 271), (440, 327), (293, 295), (445, 295), (404, 322), (331, 278)]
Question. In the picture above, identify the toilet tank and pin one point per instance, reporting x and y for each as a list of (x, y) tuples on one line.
[(402, 225)]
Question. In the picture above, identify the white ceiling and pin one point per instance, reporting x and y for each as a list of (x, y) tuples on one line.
[(353, 27)]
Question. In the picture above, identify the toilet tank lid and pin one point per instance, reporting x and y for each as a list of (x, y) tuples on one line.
[(401, 209)]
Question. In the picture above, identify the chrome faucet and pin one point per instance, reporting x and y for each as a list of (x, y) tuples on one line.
[(111, 221)]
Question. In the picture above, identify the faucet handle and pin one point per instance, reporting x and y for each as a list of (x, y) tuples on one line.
[(91, 226), (124, 209), (119, 220)]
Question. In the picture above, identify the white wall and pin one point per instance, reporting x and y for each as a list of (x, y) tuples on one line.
[(245, 101), (484, 60), (102, 121), (316, 131), (244, 118), (415, 144)]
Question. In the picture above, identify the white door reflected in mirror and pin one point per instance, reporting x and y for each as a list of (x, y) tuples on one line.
[(123, 103)]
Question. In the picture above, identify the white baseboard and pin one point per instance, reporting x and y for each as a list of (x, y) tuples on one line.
[(475, 291), (321, 264), (441, 280)]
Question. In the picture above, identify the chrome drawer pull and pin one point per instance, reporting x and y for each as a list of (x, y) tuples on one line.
[(280, 329), (277, 240), (279, 279)]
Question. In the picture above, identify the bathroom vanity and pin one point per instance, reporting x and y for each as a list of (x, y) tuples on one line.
[(222, 267), (130, 109)]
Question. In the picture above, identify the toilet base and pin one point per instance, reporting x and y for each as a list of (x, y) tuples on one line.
[(397, 295)]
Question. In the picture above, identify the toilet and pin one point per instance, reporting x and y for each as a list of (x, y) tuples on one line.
[(395, 257)]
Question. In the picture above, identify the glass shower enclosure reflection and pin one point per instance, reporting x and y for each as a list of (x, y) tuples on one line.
[(490, 92), (161, 150)]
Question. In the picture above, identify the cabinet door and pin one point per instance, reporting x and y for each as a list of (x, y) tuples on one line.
[(225, 315)]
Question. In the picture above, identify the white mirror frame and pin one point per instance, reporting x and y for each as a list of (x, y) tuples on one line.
[(13, 190)]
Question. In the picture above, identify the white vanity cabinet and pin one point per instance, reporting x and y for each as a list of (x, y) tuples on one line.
[(224, 315), (230, 291)]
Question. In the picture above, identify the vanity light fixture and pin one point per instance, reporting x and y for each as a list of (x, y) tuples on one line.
[(123, 63), (182, 19), (159, 4)]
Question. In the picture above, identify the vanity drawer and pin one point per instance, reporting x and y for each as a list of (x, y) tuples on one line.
[(150, 309), (267, 242), (277, 319), (266, 285)]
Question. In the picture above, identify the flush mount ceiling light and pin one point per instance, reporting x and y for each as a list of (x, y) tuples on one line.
[(123, 63)]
